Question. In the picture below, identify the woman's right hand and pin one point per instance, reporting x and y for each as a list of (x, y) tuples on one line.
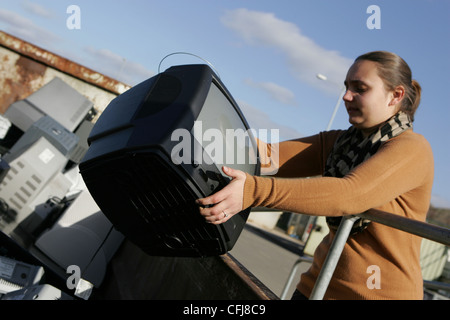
[(222, 205)]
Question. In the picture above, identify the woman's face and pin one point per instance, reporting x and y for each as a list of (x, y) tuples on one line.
[(367, 101)]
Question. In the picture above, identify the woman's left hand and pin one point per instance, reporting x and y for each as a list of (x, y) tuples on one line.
[(222, 205)]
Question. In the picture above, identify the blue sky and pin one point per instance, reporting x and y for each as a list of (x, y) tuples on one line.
[(267, 53)]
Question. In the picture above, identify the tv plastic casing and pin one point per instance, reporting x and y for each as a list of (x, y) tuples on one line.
[(56, 98), (131, 172)]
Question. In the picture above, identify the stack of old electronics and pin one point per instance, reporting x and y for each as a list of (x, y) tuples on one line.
[(23, 281), (44, 204)]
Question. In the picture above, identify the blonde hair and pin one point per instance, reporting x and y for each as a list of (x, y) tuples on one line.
[(394, 71)]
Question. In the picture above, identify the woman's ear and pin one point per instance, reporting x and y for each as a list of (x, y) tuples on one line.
[(397, 95)]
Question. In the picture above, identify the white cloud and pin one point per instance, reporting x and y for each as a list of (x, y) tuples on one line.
[(26, 29), (304, 57), (275, 91), (116, 66), (37, 9), (101, 60)]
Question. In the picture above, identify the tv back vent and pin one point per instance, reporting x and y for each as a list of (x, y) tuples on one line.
[(145, 185)]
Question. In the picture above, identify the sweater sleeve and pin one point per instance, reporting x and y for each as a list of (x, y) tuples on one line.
[(304, 157), (400, 165)]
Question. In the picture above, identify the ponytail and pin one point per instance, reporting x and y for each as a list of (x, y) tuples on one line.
[(414, 96)]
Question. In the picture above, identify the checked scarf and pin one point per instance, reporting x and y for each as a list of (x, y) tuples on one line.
[(351, 149)]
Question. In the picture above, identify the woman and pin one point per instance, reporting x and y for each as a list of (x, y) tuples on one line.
[(379, 162)]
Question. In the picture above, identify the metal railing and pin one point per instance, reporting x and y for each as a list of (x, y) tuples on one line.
[(422, 229), (297, 263)]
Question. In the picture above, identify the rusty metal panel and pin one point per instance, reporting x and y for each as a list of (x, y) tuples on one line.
[(24, 68)]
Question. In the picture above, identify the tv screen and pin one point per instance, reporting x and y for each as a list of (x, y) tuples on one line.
[(160, 146)]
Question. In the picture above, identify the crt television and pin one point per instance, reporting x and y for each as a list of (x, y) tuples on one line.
[(160, 146)]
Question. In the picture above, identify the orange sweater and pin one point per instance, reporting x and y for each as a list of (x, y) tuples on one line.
[(397, 179)]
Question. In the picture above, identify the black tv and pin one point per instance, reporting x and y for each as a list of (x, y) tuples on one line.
[(157, 148)]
